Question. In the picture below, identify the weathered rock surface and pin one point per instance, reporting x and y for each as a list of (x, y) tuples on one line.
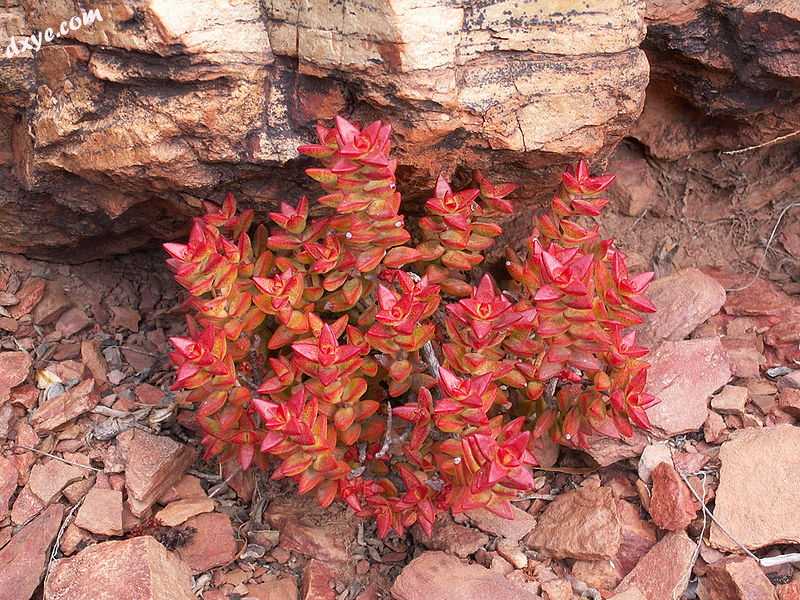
[(664, 571), (440, 576), (451, 537), (735, 578), (683, 301), (120, 127), (317, 582), (179, 511), (101, 512), (154, 464), (757, 495), (48, 479), (311, 531), (582, 523), (730, 59), (60, 410), (723, 78), (136, 569), (652, 456), (606, 451), (512, 529), (672, 505), (638, 536), (213, 543), (24, 558), (731, 400), (789, 591), (683, 376), (8, 484), (14, 367)]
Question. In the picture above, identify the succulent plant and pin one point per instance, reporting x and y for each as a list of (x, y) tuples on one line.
[(378, 370)]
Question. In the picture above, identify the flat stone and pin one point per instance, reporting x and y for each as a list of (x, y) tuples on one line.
[(5, 535), (149, 394), (735, 578), (451, 537), (762, 297), (26, 506), (8, 484), (663, 572), (176, 513), (136, 569), (638, 536), (24, 558), (124, 317), (513, 529), (789, 591), (606, 450), (48, 479), (582, 523), (14, 368), (630, 594), (304, 531), (672, 505), (94, 361), (683, 301), (317, 580), (757, 497), (212, 545), (26, 396), (652, 456), (154, 464), (744, 356), (187, 487), (75, 491), (512, 552), (282, 588), (72, 321), (440, 576), (29, 296), (789, 401), (557, 589), (101, 512), (52, 305), (7, 418), (683, 375), (600, 574), (73, 539), (64, 408), (714, 429), (731, 400)]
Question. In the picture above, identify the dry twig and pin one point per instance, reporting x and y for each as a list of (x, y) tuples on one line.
[(58, 458)]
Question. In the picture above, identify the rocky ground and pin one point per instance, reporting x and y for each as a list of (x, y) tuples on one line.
[(102, 493)]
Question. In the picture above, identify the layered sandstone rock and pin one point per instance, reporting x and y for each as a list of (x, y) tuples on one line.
[(111, 134)]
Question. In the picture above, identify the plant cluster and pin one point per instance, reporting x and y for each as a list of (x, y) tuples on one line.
[(379, 371)]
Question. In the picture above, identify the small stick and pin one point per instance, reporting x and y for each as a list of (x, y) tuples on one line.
[(429, 356), (64, 460), (222, 485), (696, 552), (546, 497), (387, 439), (774, 561), (57, 543), (766, 249), (714, 520), (780, 138)]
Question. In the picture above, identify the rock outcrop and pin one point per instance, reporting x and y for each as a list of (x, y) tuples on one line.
[(714, 156), (112, 133)]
